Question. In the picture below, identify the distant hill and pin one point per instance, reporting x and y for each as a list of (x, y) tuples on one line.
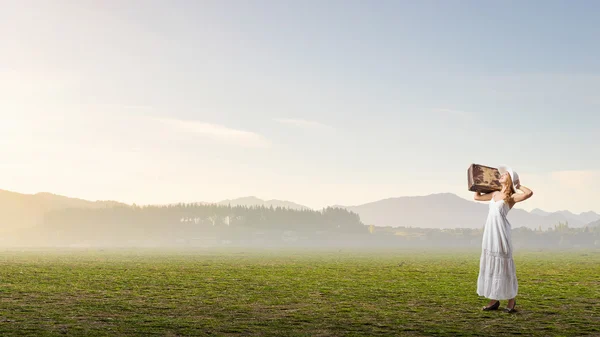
[(538, 211), (446, 210), (583, 218), (254, 201), (26, 210), (594, 224), (19, 210)]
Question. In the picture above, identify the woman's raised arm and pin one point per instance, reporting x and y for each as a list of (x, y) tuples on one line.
[(527, 193)]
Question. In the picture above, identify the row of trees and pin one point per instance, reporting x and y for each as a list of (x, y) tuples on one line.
[(203, 216), (203, 224)]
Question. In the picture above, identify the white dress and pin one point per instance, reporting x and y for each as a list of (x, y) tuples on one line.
[(497, 274)]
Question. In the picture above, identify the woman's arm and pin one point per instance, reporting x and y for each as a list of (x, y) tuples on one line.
[(484, 197), (527, 193)]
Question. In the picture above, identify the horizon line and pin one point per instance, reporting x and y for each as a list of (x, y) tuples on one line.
[(272, 199)]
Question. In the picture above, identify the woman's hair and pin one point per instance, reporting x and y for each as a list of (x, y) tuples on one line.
[(508, 182)]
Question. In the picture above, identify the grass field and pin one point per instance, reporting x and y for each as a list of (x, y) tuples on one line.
[(237, 292)]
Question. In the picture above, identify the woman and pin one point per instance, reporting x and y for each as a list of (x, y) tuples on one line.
[(497, 274)]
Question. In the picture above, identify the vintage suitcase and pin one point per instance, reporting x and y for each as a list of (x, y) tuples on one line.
[(483, 179)]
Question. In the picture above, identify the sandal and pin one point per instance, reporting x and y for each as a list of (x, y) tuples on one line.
[(511, 310), (494, 306)]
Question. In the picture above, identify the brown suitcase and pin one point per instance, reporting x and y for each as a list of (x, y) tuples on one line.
[(483, 179)]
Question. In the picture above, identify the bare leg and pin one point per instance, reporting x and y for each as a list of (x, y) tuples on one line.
[(511, 303)]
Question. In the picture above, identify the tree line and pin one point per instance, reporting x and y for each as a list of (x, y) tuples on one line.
[(211, 224), (199, 217)]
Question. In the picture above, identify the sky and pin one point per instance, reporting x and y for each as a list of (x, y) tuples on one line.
[(320, 103)]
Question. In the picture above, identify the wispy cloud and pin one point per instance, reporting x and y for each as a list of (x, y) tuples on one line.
[(217, 132), (304, 123)]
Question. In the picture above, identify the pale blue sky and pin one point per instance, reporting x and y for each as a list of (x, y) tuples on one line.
[(336, 102)]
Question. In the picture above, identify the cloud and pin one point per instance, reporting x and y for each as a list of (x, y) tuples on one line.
[(217, 132), (301, 123)]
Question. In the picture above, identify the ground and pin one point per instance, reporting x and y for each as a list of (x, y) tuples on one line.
[(299, 292)]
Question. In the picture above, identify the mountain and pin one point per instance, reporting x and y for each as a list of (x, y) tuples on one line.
[(594, 224), (443, 210), (19, 210), (585, 217), (254, 201), (538, 211), (446, 210), (26, 210)]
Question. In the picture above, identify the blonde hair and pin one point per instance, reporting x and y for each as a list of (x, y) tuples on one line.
[(509, 185)]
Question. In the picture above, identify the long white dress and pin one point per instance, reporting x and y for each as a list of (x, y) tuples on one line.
[(497, 273)]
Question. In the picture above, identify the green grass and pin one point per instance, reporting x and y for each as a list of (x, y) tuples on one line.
[(289, 293)]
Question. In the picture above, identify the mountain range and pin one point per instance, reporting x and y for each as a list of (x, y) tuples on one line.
[(594, 224), (446, 210), (443, 210), (26, 210)]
